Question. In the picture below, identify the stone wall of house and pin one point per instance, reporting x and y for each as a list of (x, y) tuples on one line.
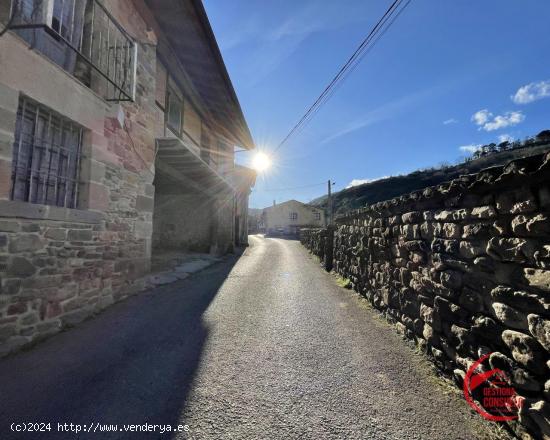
[(463, 269), (182, 222), (58, 266)]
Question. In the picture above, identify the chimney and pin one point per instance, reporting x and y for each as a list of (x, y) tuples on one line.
[(274, 203)]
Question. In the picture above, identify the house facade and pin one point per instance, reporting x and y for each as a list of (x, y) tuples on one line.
[(118, 126), (288, 217)]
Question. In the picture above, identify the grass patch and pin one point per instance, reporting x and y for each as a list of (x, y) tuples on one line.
[(343, 282)]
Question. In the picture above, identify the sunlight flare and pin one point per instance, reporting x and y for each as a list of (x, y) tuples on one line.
[(261, 161)]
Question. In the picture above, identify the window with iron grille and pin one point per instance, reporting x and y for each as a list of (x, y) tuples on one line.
[(83, 38), (317, 215), (293, 216), (46, 157)]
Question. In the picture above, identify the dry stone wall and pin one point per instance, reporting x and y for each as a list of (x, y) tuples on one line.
[(463, 269)]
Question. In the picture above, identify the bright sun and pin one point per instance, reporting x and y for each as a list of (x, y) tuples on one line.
[(261, 161)]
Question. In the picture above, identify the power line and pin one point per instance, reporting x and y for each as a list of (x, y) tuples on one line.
[(381, 26)]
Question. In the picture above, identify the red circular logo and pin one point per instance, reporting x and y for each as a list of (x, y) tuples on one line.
[(490, 394)]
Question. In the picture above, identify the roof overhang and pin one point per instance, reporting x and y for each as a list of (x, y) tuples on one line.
[(179, 166), (244, 178), (186, 28)]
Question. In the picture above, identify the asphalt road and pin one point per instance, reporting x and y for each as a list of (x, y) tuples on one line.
[(265, 346)]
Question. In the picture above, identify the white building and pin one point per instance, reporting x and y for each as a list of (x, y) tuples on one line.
[(288, 217)]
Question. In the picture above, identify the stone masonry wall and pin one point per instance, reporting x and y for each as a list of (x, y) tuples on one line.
[(464, 269), (59, 266)]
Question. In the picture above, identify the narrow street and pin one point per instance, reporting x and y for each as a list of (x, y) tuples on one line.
[(262, 346)]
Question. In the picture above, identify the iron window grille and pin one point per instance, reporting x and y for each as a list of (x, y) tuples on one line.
[(80, 33), (46, 157), (317, 215), (293, 216)]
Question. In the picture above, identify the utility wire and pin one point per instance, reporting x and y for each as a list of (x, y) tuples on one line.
[(374, 40), (393, 11)]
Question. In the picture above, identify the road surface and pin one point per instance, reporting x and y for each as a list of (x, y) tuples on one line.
[(261, 346)]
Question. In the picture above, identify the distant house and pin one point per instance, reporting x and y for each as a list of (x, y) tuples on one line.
[(288, 217)]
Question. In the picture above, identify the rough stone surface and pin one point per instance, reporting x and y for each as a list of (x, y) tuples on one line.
[(479, 275), (540, 329), (525, 350)]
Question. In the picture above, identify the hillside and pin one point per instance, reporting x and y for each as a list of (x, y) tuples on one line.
[(384, 189)]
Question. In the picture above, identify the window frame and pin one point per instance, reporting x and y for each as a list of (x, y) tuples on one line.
[(30, 180), (171, 93), (293, 215)]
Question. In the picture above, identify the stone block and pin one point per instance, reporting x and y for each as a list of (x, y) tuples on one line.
[(20, 267), (525, 350), (519, 378), (9, 226), (26, 243), (412, 217), (509, 317), (80, 235), (10, 286), (451, 230), (58, 234), (540, 329), (520, 300), (484, 212), (537, 278), (479, 230)]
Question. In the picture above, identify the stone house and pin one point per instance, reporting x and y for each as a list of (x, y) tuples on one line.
[(118, 125), (288, 217)]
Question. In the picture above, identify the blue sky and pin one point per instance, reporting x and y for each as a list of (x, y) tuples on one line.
[(448, 74)]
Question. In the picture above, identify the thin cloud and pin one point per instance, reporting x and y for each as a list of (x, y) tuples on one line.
[(472, 148), (357, 182), (532, 92), (386, 111), (489, 122), (450, 121), (271, 44)]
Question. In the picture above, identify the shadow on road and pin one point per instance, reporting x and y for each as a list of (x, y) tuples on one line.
[(132, 364)]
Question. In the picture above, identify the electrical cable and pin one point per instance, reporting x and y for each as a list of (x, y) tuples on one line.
[(349, 66)]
